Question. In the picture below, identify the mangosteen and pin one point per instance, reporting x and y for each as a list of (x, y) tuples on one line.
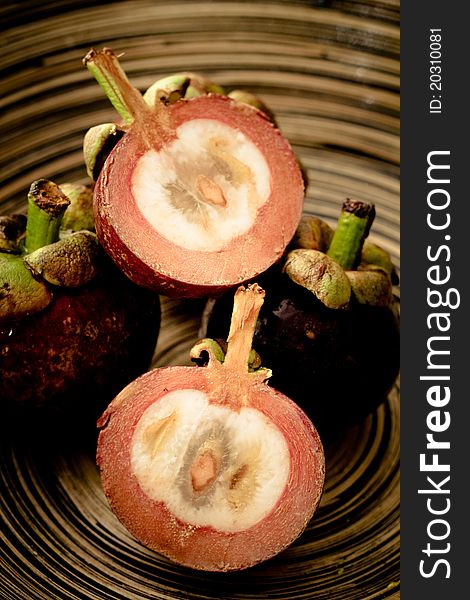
[(210, 466), (329, 328), (201, 193), (73, 328)]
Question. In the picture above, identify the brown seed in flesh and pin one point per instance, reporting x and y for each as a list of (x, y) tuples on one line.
[(203, 470), (211, 192)]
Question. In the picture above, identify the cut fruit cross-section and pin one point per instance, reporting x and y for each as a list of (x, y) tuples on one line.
[(199, 195), (210, 466)]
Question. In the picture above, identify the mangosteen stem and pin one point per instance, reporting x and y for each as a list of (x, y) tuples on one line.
[(126, 99), (105, 68), (246, 306), (46, 206), (353, 227)]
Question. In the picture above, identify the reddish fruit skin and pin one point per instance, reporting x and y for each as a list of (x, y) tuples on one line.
[(152, 261), (87, 344), (204, 547)]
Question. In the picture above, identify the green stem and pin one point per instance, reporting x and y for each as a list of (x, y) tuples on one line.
[(126, 99), (105, 68), (246, 306), (46, 207), (353, 227)]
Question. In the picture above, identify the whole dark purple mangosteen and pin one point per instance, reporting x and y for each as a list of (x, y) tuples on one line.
[(73, 328), (329, 327)]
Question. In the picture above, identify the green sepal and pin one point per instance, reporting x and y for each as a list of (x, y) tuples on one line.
[(216, 350), (20, 293), (321, 275), (312, 234), (97, 144), (79, 215), (71, 262), (207, 346), (371, 286), (372, 254), (175, 87)]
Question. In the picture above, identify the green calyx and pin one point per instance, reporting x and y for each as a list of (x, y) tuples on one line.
[(179, 86), (184, 85), (79, 214), (246, 97), (97, 144), (312, 233), (340, 266), (374, 256), (321, 275), (208, 349), (370, 286), (40, 256), (70, 262), (20, 293)]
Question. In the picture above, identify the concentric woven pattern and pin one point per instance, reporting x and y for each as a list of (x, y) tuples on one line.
[(330, 73)]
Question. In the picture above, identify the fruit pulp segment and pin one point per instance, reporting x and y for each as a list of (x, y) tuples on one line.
[(203, 189), (210, 466)]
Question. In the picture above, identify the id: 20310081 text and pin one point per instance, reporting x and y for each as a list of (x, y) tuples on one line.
[(435, 71)]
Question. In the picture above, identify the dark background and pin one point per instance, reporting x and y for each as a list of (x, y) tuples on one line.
[(420, 134)]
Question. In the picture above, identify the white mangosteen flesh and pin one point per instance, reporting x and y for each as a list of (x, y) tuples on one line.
[(205, 187), (210, 466)]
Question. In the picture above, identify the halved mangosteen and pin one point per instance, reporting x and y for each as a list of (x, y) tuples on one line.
[(210, 466), (199, 195)]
